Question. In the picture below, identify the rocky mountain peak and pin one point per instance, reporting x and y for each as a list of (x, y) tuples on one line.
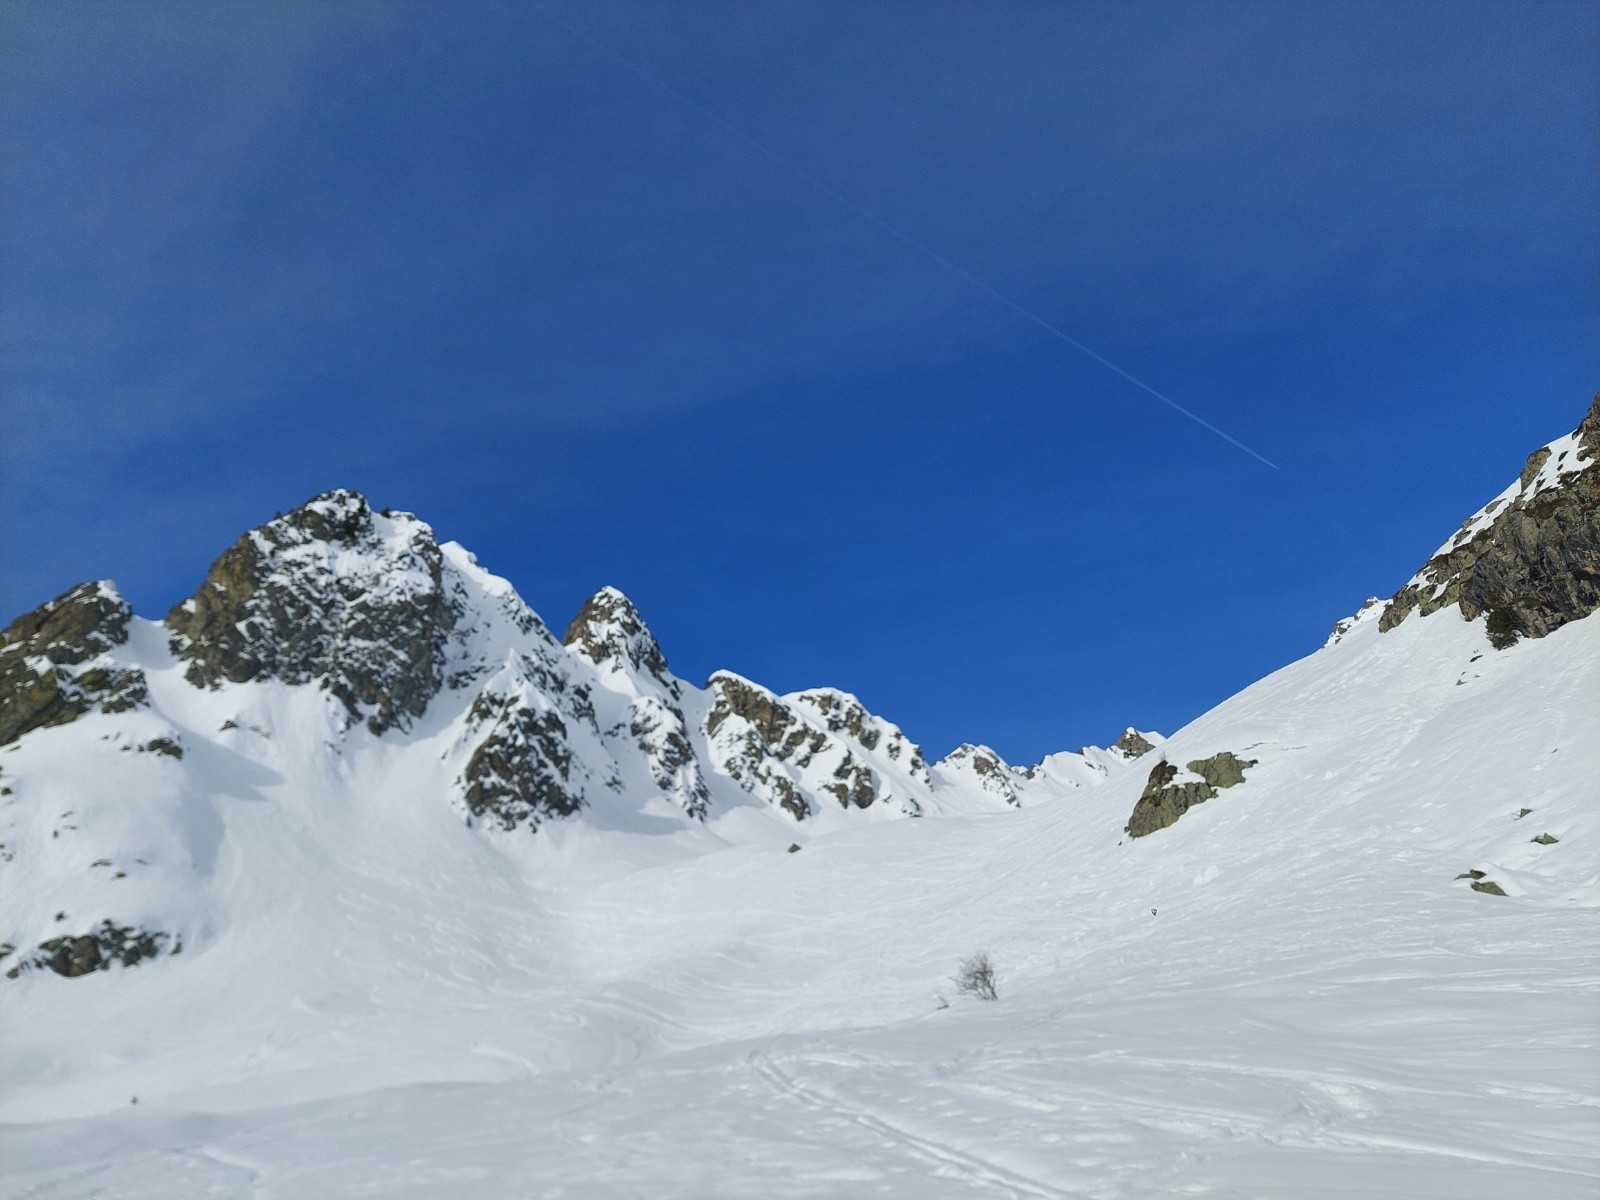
[(1529, 560), (331, 592), (1132, 744), (48, 669), (845, 715), (781, 747), (610, 633), (982, 767), (82, 622)]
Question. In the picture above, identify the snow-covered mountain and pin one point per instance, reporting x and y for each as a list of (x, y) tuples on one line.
[(348, 878), (336, 649)]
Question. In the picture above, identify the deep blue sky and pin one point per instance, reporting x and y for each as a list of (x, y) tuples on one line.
[(456, 258)]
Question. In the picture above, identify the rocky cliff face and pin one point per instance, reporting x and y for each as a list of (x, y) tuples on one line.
[(795, 751), (609, 633), (522, 766), (1529, 561), (332, 593), (54, 664)]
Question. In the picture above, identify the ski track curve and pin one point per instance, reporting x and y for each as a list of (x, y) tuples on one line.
[(978, 1170)]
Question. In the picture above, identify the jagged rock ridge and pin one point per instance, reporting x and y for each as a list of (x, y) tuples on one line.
[(54, 666), (339, 645), (811, 748), (1530, 559), (986, 770)]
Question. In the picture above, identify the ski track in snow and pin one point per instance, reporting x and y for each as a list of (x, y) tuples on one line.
[(978, 1171)]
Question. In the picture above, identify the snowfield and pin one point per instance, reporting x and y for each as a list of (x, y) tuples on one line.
[(1288, 993)]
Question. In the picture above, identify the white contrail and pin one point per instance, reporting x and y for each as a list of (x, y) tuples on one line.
[(867, 214)]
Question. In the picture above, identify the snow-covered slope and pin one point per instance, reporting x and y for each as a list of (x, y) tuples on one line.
[(543, 933)]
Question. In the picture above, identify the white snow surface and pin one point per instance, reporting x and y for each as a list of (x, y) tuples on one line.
[(1289, 993)]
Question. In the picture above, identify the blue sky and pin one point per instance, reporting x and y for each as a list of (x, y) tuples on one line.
[(457, 258)]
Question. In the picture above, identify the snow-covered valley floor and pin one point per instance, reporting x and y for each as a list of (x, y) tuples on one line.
[(1288, 993)]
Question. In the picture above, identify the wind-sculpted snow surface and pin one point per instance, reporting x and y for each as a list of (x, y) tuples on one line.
[(572, 927)]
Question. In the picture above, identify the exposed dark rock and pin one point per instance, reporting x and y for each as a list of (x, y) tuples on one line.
[(609, 630), (845, 715), (794, 848), (98, 950), (48, 672), (330, 593), (1343, 627), (661, 733), (1488, 886), (853, 783), (1545, 839), (776, 726), (521, 771), (993, 775), (768, 734), (1524, 812), (1534, 565), (1132, 744), (1473, 874), (842, 714), (163, 745), (756, 736), (1164, 800)]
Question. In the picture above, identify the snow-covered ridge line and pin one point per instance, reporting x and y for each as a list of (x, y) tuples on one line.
[(340, 643)]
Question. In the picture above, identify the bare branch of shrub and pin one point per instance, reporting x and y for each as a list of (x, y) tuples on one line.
[(976, 976)]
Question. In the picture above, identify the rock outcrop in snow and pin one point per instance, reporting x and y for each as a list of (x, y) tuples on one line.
[(984, 769), (1171, 793), (521, 769), (610, 634), (98, 950), (794, 751), (1132, 744), (55, 665), (1529, 560)]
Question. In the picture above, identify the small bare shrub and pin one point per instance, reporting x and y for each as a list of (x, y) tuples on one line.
[(976, 976)]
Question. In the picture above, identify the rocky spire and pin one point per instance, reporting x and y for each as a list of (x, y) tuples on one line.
[(610, 633), (847, 716), (333, 593)]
